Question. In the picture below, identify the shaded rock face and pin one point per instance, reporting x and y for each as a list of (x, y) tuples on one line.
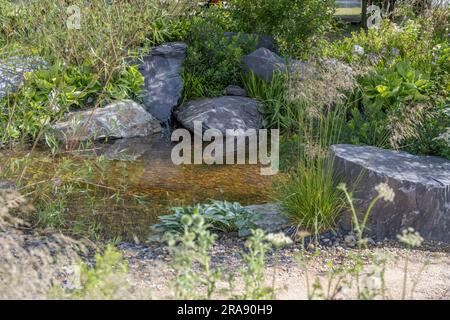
[(421, 186), (12, 72), (264, 63), (270, 217), (123, 119), (221, 113), (163, 85)]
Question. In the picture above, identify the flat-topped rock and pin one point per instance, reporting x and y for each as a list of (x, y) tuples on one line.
[(421, 185), (163, 85), (228, 112), (13, 69), (122, 119)]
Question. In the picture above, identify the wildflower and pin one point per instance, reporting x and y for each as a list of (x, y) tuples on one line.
[(342, 186), (385, 192), (410, 238), (279, 240)]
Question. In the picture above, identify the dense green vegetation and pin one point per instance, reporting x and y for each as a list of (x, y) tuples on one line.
[(394, 96), (392, 92)]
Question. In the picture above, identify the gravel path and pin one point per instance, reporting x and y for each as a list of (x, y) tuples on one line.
[(428, 267)]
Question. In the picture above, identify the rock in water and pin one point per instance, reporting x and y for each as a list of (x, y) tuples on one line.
[(421, 185), (221, 113), (13, 69), (163, 86), (123, 119)]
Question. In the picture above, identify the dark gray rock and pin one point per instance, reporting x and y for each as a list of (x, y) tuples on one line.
[(221, 113), (235, 91), (263, 41), (264, 63), (13, 69), (7, 185), (270, 217), (421, 185), (163, 85), (122, 119)]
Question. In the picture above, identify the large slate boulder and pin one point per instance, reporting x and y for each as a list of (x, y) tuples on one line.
[(421, 185), (13, 69), (122, 119), (264, 63), (163, 85), (221, 113)]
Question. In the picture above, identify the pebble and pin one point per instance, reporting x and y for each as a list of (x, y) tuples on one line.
[(350, 240)]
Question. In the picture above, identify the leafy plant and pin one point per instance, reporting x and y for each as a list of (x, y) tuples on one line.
[(296, 24), (385, 45), (394, 103), (188, 249), (48, 93), (220, 216), (214, 60)]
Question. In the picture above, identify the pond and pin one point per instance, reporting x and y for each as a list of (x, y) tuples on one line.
[(143, 170)]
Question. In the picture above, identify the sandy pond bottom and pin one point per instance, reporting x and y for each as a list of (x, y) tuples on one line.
[(153, 184)]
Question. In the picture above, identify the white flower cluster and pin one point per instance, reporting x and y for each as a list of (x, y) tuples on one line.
[(410, 238), (278, 240), (385, 192)]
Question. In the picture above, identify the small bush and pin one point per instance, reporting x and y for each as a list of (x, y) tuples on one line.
[(385, 45), (394, 105), (296, 24), (47, 94), (214, 60)]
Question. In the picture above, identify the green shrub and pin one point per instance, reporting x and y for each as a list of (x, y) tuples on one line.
[(221, 216), (91, 65), (47, 94), (296, 24), (391, 107), (214, 61), (386, 45)]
